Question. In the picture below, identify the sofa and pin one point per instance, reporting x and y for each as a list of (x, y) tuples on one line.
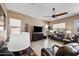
[(3, 44), (71, 49), (4, 49), (75, 38), (58, 36)]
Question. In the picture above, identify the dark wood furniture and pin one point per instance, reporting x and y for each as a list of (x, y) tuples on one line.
[(26, 52), (37, 36)]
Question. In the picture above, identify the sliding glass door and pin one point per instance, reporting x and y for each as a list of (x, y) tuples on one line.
[(76, 23)]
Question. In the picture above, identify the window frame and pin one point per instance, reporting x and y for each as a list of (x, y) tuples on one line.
[(16, 25)]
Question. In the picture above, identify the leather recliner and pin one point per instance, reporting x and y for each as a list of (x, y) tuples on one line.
[(71, 49)]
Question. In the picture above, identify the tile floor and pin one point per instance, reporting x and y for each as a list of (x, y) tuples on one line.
[(38, 45)]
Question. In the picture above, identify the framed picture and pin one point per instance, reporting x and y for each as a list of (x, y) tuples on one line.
[(26, 27)]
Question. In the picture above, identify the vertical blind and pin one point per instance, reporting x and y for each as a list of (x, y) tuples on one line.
[(1, 23), (15, 25), (15, 22), (59, 25)]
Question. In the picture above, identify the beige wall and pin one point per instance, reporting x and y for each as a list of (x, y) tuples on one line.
[(69, 22), (4, 8), (26, 20)]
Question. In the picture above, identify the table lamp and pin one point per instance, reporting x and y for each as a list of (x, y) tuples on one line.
[(68, 33)]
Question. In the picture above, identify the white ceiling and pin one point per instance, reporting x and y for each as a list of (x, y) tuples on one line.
[(39, 10)]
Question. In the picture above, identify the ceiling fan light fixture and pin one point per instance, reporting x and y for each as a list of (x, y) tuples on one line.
[(53, 16), (53, 8), (56, 15)]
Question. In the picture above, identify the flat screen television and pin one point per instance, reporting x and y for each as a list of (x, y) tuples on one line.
[(37, 29)]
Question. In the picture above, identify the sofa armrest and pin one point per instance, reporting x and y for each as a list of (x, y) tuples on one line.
[(44, 52), (47, 52)]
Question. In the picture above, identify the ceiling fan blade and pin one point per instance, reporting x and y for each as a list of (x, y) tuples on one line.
[(61, 14), (47, 16)]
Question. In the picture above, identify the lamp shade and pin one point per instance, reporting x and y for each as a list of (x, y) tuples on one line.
[(19, 42), (68, 32), (46, 26)]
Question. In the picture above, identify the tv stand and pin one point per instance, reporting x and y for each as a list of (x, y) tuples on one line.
[(37, 36)]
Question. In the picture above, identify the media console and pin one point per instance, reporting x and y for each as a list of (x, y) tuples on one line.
[(37, 36)]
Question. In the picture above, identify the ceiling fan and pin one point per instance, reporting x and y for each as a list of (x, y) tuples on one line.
[(56, 15)]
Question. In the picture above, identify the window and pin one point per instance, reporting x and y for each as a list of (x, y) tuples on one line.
[(2, 19), (60, 27), (1, 23), (15, 25), (77, 25), (1, 28)]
